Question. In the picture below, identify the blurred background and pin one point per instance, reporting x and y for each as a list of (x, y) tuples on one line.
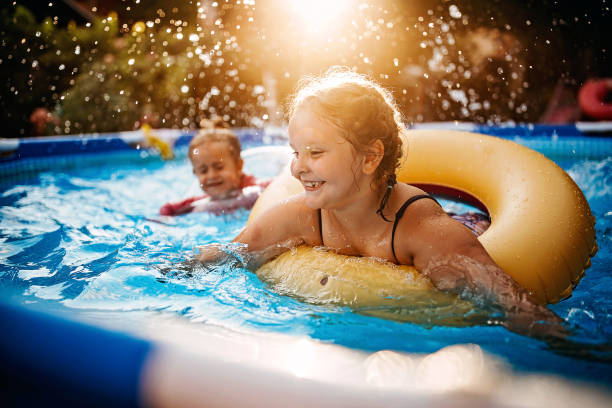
[(75, 67)]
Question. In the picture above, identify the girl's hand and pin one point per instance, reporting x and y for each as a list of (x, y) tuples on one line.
[(234, 255), (487, 283), (210, 253), (535, 320)]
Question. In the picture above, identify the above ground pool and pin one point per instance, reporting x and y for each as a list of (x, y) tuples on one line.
[(81, 239)]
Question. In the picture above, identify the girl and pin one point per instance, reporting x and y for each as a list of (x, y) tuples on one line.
[(345, 132), (214, 153)]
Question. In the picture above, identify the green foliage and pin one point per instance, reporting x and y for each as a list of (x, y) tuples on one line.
[(127, 84), (109, 76), (173, 62), (158, 78), (40, 61)]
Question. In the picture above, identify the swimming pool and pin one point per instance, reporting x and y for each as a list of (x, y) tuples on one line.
[(80, 237)]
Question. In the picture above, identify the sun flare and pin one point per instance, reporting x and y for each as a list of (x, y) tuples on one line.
[(316, 15)]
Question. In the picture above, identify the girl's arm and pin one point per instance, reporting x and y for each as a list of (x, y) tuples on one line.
[(282, 227), (455, 261)]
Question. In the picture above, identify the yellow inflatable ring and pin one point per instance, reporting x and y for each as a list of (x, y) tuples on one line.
[(542, 232)]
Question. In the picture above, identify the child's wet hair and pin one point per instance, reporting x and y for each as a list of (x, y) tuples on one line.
[(216, 130), (361, 108)]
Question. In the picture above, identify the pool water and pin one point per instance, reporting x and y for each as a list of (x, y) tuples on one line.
[(91, 239)]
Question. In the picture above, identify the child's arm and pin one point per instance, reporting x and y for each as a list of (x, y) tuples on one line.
[(454, 260), (180, 207), (276, 230), (245, 199)]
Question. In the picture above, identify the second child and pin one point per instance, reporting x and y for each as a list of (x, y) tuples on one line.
[(214, 153)]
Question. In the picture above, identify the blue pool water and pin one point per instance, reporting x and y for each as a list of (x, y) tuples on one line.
[(89, 239)]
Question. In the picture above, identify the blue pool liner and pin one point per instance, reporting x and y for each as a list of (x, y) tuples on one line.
[(22, 159), (39, 147), (13, 150), (49, 361)]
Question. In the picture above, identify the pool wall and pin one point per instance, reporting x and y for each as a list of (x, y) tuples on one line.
[(23, 158), (55, 361), (52, 361)]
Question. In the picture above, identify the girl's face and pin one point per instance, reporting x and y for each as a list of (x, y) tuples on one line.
[(327, 165), (217, 171)]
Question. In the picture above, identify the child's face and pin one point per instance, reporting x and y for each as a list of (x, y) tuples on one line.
[(327, 165), (217, 171)]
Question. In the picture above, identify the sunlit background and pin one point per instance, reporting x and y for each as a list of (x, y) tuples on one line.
[(97, 66)]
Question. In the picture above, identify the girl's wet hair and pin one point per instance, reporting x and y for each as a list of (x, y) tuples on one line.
[(216, 130), (363, 110)]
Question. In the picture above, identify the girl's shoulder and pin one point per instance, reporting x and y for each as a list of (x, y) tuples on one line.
[(415, 201), (408, 190), (292, 215), (289, 220), (296, 210)]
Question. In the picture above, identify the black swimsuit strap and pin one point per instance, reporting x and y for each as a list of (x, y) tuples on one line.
[(320, 227), (399, 214)]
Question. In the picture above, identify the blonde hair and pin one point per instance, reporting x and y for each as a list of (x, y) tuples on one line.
[(216, 130), (361, 108)]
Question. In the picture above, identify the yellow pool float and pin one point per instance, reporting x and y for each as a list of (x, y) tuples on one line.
[(542, 231)]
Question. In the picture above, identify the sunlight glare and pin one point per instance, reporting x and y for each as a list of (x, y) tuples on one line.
[(316, 14)]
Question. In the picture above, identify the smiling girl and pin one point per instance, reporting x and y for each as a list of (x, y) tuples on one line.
[(345, 131)]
